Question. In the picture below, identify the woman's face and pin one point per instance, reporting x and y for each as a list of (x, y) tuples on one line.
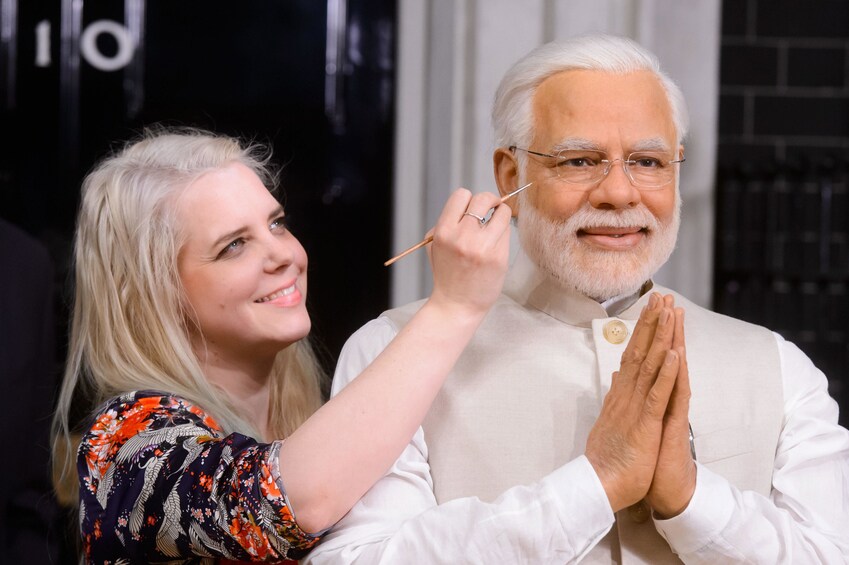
[(244, 273)]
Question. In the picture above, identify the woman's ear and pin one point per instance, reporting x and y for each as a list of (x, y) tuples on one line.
[(506, 169)]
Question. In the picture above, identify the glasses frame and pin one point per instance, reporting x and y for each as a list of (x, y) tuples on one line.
[(609, 165)]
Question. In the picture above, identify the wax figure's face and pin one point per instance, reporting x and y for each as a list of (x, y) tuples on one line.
[(608, 238), (244, 273)]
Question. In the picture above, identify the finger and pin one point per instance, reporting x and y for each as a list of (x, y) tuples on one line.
[(661, 391), (499, 228), (663, 334), (679, 403), (661, 344), (492, 242), (641, 339), (678, 339), (493, 239), (454, 207), (681, 396), (484, 205), (499, 222), (429, 246)]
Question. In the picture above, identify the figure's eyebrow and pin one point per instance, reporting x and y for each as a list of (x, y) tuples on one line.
[(652, 144), (576, 144), (582, 144)]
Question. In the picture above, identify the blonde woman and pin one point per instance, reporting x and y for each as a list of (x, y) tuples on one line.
[(189, 333)]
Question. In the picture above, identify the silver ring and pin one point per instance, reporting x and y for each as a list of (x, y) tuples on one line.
[(480, 219)]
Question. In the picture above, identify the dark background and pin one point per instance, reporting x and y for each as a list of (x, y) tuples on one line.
[(257, 72), (314, 79), (782, 231)]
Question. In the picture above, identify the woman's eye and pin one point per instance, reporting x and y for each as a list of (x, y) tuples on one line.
[(231, 247), (278, 224)]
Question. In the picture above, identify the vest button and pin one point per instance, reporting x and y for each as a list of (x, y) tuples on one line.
[(615, 331), (639, 512)]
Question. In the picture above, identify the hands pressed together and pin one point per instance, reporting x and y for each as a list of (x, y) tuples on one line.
[(639, 445)]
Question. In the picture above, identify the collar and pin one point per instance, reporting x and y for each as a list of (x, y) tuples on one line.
[(529, 286), (621, 303)]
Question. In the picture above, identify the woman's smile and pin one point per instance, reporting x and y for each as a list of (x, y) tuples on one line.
[(287, 296)]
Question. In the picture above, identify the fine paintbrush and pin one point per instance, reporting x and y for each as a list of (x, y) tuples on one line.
[(429, 238)]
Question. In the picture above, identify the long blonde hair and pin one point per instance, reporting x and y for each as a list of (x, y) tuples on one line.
[(129, 329)]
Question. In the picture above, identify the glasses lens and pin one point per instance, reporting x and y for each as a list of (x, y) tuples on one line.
[(650, 170), (645, 169), (580, 167)]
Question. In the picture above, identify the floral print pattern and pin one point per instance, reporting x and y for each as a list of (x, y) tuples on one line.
[(159, 482)]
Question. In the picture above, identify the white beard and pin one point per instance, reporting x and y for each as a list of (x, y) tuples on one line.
[(600, 274)]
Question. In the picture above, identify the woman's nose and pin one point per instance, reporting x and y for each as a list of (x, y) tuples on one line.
[(279, 252)]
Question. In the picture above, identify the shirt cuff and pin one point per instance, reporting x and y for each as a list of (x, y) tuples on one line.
[(595, 517), (709, 512)]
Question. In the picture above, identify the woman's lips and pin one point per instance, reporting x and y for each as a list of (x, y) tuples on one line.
[(286, 296)]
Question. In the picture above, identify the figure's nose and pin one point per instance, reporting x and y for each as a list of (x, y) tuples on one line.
[(615, 190)]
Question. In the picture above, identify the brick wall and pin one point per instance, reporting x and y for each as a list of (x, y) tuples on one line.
[(782, 225), (784, 79)]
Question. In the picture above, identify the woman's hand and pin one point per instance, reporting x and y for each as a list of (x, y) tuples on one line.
[(468, 256)]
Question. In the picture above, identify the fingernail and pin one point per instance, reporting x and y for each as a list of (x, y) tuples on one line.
[(670, 357), (664, 316), (652, 300)]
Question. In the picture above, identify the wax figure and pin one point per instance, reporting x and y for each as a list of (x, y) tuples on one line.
[(189, 335), (543, 446)]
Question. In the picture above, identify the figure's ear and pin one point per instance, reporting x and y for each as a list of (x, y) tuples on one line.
[(506, 168)]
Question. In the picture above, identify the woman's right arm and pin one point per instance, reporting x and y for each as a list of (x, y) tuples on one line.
[(344, 448)]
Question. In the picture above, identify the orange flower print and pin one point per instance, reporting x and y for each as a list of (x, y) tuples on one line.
[(97, 532), (268, 486), (205, 481), (250, 537), (208, 420), (110, 432)]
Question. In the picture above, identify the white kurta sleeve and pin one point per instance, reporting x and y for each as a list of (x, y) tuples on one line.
[(556, 520), (806, 517)]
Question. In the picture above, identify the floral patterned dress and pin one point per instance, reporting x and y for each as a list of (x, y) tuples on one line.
[(159, 482)]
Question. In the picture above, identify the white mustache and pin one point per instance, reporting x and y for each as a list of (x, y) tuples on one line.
[(589, 217)]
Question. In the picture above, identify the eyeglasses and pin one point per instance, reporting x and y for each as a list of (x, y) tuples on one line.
[(582, 168)]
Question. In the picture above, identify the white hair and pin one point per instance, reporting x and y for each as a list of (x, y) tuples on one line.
[(512, 117)]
